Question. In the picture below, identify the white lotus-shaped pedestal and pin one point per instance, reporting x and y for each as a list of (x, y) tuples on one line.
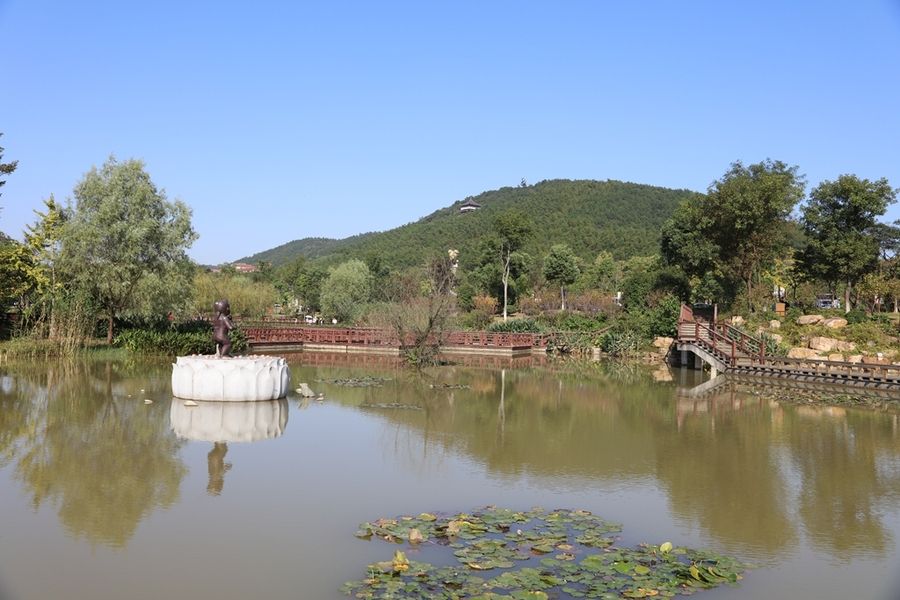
[(229, 421), (239, 378)]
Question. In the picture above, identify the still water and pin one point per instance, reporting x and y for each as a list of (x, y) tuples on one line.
[(105, 497)]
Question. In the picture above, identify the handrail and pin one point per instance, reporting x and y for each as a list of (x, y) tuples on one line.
[(719, 336), (370, 336)]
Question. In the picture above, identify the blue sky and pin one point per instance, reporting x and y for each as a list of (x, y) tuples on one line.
[(281, 120)]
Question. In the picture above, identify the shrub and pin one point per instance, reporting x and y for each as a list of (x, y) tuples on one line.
[(516, 326), (856, 316), (483, 311), (570, 321), (188, 338), (623, 342)]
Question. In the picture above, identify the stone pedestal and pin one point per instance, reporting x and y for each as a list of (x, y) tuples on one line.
[(238, 379), (229, 421)]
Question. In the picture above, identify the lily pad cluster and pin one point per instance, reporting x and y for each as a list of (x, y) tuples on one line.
[(534, 554)]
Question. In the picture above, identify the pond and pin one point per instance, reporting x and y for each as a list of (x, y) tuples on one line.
[(104, 495)]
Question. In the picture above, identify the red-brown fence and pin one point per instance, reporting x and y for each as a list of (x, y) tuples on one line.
[(290, 333)]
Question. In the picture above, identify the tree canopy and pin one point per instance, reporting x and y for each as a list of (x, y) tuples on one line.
[(346, 291), (840, 222), (561, 268), (737, 227), (6, 168), (122, 232)]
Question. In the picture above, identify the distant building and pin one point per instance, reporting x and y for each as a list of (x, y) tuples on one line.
[(244, 268), (469, 205)]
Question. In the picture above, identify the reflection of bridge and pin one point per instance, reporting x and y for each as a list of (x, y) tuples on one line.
[(727, 349), (289, 337)]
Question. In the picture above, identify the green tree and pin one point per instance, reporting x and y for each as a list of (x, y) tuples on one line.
[(604, 274), (840, 222), (511, 230), (43, 241), (738, 226), (309, 287), (346, 291), (16, 268), (6, 168), (122, 231), (561, 268)]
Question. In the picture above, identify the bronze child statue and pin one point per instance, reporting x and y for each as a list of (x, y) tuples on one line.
[(221, 326)]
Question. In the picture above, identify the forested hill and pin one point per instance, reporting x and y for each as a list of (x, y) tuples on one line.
[(589, 216)]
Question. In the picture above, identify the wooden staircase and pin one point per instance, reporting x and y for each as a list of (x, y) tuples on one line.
[(719, 344)]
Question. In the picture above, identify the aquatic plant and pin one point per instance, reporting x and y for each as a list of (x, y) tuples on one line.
[(566, 553)]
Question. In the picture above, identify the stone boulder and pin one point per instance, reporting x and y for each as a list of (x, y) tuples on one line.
[(773, 324), (827, 344), (855, 358), (835, 323), (809, 319), (845, 346), (803, 353), (663, 344), (777, 337), (836, 357), (737, 320), (875, 360), (822, 344)]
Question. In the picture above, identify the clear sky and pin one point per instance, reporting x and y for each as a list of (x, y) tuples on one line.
[(281, 120)]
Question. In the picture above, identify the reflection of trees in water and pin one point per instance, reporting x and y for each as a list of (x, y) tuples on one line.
[(106, 461), (720, 460), (837, 454), (721, 471)]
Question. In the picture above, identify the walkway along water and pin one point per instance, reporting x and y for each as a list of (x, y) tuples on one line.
[(287, 337), (728, 350)]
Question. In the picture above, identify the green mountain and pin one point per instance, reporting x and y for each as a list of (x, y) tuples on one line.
[(589, 216)]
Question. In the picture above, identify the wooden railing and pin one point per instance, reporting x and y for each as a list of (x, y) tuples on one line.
[(727, 343), (259, 333), (889, 373)]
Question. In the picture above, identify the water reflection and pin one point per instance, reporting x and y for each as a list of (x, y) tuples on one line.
[(223, 422), (229, 421), (837, 454), (754, 474), (217, 467), (81, 444)]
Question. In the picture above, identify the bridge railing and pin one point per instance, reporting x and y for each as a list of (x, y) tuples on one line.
[(725, 341)]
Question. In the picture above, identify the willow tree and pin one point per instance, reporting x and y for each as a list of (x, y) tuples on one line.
[(122, 233)]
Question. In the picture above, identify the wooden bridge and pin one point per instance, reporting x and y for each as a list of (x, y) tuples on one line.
[(727, 349), (281, 336)]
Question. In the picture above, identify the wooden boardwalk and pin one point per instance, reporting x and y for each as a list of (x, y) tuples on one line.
[(728, 350), (289, 337)]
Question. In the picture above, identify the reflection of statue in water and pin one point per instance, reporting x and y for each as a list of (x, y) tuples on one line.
[(217, 466), (221, 326)]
